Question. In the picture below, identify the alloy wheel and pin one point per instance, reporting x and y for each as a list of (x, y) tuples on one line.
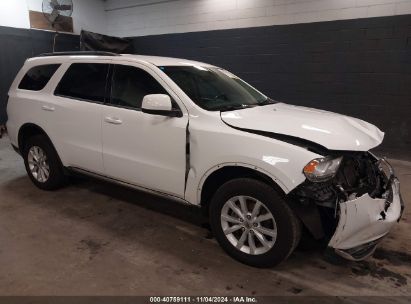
[(38, 164), (248, 225)]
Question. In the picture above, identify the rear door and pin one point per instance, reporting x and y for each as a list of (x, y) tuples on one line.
[(139, 148), (29, 91), (75, 114)]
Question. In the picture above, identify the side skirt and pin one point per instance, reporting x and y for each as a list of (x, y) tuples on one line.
[(129, 185)]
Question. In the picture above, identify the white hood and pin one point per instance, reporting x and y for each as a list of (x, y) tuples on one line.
[(332, 131)]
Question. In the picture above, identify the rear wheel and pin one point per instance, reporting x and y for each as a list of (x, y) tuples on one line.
[(42, 163), (253, 223)]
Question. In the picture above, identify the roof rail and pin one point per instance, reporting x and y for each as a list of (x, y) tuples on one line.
[(80, 53)]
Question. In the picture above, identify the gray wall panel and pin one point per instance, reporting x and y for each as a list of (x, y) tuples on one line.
[(356, 67), (19, 44)]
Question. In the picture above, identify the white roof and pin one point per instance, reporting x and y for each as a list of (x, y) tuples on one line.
[(164, 61), (155, 60)]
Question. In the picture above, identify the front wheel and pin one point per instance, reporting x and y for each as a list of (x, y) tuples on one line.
[(253, 223)]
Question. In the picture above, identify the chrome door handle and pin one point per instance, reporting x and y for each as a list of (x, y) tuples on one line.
[(47, 108), (113, 120)]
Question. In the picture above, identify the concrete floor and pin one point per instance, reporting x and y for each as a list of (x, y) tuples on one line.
[(92, 238)]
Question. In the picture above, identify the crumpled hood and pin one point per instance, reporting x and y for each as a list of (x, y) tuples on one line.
[(330, 130)]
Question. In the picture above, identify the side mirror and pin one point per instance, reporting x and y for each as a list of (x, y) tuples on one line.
[(159, 104)]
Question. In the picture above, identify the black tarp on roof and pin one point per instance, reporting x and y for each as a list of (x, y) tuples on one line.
[(90, 41)]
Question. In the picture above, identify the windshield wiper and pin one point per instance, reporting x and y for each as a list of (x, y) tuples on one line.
[(268, 101), (234, 107)]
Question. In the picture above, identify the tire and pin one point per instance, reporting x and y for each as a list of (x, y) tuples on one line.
[(253, 252), (40, 145)]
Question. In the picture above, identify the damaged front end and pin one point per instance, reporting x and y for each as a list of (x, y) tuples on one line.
[(355, 208)]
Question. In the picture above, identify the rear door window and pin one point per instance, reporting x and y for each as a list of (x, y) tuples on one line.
[(37, 77), (84, 81)]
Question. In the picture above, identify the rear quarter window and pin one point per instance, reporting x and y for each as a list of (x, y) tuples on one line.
[(37, 77)]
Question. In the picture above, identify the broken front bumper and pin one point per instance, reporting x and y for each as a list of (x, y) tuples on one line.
[(364, 221)]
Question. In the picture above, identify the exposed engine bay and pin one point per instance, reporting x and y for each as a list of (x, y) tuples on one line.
[(359, 173)]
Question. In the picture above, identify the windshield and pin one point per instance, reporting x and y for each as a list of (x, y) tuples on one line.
[(215, 89)]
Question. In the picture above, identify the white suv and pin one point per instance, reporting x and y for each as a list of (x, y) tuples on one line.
[(263, 170)]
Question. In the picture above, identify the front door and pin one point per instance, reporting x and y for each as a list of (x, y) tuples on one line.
[(139, 148)]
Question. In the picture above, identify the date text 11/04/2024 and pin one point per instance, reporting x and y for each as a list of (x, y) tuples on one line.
[(238, 299)]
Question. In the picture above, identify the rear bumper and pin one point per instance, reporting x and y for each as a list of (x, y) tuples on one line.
[(365, 221)]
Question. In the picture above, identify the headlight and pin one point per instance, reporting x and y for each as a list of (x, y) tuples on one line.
[(322, 169)]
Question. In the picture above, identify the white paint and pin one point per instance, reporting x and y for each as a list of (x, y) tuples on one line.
[(207, 130), (330, 130), (361, 221), (156, 102), (145, 17), (149, 151), (87, 14)]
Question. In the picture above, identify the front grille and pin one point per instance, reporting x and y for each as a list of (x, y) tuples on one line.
[(359, 174)]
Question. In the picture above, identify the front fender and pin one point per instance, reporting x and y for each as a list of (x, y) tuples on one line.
[(215, 145), (237, 164)]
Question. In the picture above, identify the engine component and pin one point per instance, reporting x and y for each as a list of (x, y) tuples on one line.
[(358, 173)]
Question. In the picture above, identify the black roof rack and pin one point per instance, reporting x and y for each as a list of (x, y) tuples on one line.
[(80, 53)]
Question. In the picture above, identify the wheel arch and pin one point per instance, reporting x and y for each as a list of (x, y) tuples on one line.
[(222, 173), (30, 129)]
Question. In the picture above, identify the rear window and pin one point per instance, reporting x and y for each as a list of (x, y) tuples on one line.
[(37, 77), (85, 81)]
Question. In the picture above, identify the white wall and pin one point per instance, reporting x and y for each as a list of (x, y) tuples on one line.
[(148, 17), (14, 13), (87, 14), (144, 17)]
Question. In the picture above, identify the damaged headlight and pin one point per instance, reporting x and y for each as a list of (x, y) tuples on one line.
[(322, 169)]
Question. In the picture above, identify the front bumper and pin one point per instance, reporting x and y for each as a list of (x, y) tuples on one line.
[(364, 221)]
